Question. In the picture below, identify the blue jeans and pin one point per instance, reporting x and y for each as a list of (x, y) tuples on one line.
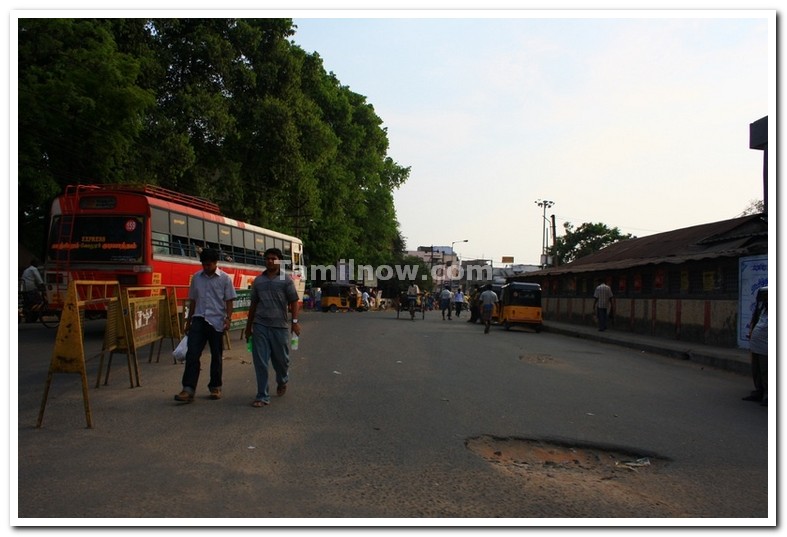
[(270, 345), (201, 333)]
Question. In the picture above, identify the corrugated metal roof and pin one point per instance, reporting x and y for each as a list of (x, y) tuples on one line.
[(738, 237)]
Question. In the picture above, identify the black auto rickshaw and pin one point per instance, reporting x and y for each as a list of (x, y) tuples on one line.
[(339, 296), (520, 303)]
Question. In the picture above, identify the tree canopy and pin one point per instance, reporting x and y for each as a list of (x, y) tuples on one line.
[(227, 109), (584, 240)]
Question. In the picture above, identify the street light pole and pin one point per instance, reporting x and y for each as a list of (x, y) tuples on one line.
[(452, 245), (545, 204), (453, 255)]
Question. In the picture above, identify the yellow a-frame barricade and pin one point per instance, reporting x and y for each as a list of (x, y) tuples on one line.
[(149, 315), (68, 355), (132, 322)]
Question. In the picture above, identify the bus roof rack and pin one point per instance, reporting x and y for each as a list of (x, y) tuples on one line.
[(155, 191)]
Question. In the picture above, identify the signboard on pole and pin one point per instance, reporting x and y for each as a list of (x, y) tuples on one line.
[(752, 274)]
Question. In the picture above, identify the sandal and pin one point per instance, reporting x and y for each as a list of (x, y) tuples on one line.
[(259, 404)]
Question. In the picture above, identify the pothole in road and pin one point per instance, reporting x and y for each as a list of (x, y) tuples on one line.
[(538, 456), (588, 480), (535, 358)]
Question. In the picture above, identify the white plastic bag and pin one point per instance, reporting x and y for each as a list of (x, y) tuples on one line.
[(180, 351)]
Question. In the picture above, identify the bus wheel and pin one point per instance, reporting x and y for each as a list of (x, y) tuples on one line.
[(333, 308), (506, 325), (538, 328)]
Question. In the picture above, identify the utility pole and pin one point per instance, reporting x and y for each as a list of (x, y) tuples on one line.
[(545, 204)]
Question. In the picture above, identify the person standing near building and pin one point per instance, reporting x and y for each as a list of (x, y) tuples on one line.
[(603, 302), (445, 301), (32, 287), (209, 312), (487, 300), (758, 346), (459, 302), (273, 293)]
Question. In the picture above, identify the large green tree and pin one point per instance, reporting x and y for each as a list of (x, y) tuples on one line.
[(586, 239), (228, 109), (80, 112)]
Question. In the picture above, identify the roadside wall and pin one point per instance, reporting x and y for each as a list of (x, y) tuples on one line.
[(707, 321)]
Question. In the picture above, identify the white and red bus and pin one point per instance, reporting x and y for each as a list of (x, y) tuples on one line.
[(147, 235)]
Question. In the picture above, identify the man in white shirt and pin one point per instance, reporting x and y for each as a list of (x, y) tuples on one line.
[(459, 302), (210, 309), (602, 303), (488, 299), (445, 301), (32, 287)]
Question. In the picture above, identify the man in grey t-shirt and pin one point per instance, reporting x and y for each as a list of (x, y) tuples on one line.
[(272, 294)]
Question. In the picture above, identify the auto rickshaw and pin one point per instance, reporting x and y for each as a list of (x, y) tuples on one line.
[(339, 296), (520, 303)]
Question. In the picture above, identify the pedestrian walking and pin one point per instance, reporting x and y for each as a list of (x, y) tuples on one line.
[(488, 299), (459, 302), (209, 312), (603, 302), (273, 293), (445, 301)]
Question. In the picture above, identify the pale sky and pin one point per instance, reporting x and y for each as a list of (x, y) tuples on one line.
[(639, 121)]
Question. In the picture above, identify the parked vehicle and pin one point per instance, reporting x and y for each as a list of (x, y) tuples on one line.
[(340, 296), (520, 303), (140, 235)]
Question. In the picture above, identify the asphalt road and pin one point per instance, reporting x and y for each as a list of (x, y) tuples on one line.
[(390, 420)]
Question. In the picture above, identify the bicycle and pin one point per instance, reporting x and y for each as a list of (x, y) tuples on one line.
[(40, 310)]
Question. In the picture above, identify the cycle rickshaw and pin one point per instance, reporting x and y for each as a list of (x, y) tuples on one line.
[(411, 304), (35, 307)]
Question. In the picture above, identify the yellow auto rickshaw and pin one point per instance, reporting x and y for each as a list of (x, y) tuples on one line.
[(520, 303), (339, 296)]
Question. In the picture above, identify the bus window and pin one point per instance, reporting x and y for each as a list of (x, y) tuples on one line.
[(195, 228), (159, 220), (160, 242), (196, 248), (225, 243), (287, 250), (259, 249), (180, 235), (238, 251), (248, 246), (180, 246), (212, 233)]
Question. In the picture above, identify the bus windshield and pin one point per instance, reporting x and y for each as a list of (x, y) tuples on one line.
[(96, 239)]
